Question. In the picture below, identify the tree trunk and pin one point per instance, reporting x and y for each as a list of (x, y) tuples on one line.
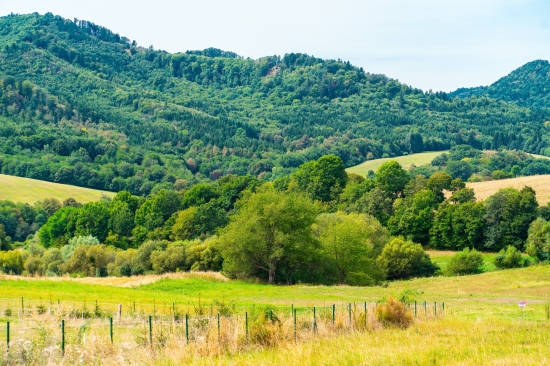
[(271, 273)]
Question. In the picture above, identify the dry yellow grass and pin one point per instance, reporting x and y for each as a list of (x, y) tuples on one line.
[(540, 183), (134, 281)]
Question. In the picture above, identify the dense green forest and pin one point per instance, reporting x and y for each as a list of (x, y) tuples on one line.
[(527, 86), (317, 225), (84, 106)]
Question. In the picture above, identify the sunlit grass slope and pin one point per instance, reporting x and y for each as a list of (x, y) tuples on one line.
[(405, 161), (540, 183), (27, 190)]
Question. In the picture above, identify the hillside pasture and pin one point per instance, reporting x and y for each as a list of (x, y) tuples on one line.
[(405, 161), (540, 183), (26, 190)]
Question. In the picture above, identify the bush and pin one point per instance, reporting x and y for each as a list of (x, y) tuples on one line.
[(465, 262), (393, 313), (510, 258), (402, 259)]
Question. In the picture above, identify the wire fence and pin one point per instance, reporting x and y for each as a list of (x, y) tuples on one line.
[(54, 325)]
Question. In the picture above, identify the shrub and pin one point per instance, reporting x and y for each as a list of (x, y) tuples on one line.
[(465, 262), (393, 313), (510, 258), (402, 259)]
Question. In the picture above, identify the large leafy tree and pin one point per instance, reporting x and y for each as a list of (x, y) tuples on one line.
[(392, 178), (270, 227), (458, 226), (93, 219), (322, 179), (351, 243), (509, 214), (413, 216)]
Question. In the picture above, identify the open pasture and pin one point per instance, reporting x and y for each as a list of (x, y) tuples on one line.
[(405, 161), (26, 190)]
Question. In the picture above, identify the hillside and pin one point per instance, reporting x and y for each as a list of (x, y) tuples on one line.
[(540, 183), (27, 190), (528, 86), (81, 105)]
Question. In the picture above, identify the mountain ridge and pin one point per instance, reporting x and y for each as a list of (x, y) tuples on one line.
[(82, 105)]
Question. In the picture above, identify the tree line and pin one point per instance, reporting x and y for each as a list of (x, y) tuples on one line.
[(317, 225)]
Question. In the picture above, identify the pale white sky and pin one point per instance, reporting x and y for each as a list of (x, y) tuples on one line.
[(429, 44)]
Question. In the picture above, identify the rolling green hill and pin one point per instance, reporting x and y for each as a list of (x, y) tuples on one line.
[(25, 190), (82, 105), (528, 85)]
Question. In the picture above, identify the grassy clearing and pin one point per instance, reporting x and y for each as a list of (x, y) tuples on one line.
[(28, 190), (405, 161), (442, 258), (540, 183), (486, 293)]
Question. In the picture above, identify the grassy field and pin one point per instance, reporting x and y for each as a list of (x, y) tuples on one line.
[(27, 190), (492, 292), (540, 183), (482, 323), (405, 161)]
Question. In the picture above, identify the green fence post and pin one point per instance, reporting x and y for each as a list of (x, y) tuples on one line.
[(425, 308), (333, 313), (365, 315), (218, 326), (134, 307), (151, 330), (294, 325), (8, 335), (349, 314), (435, 307), (443, 308), (415, 308), (246, 324), (63, 337), (187, 328), (111, 329), (314, 320), (291, 309)]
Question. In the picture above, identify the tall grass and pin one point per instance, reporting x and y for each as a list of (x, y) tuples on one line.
[(36, 338)]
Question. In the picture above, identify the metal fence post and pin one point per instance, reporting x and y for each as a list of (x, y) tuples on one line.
[(365, 315), (246, 324), (8, 335), (63, 337), (415, 308), (111, 329), (187, 328), (151, 330)]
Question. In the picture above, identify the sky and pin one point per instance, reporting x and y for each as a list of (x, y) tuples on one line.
[(429, 44)]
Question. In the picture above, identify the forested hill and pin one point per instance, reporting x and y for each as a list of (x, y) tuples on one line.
[(82, 105), (527, 86)]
